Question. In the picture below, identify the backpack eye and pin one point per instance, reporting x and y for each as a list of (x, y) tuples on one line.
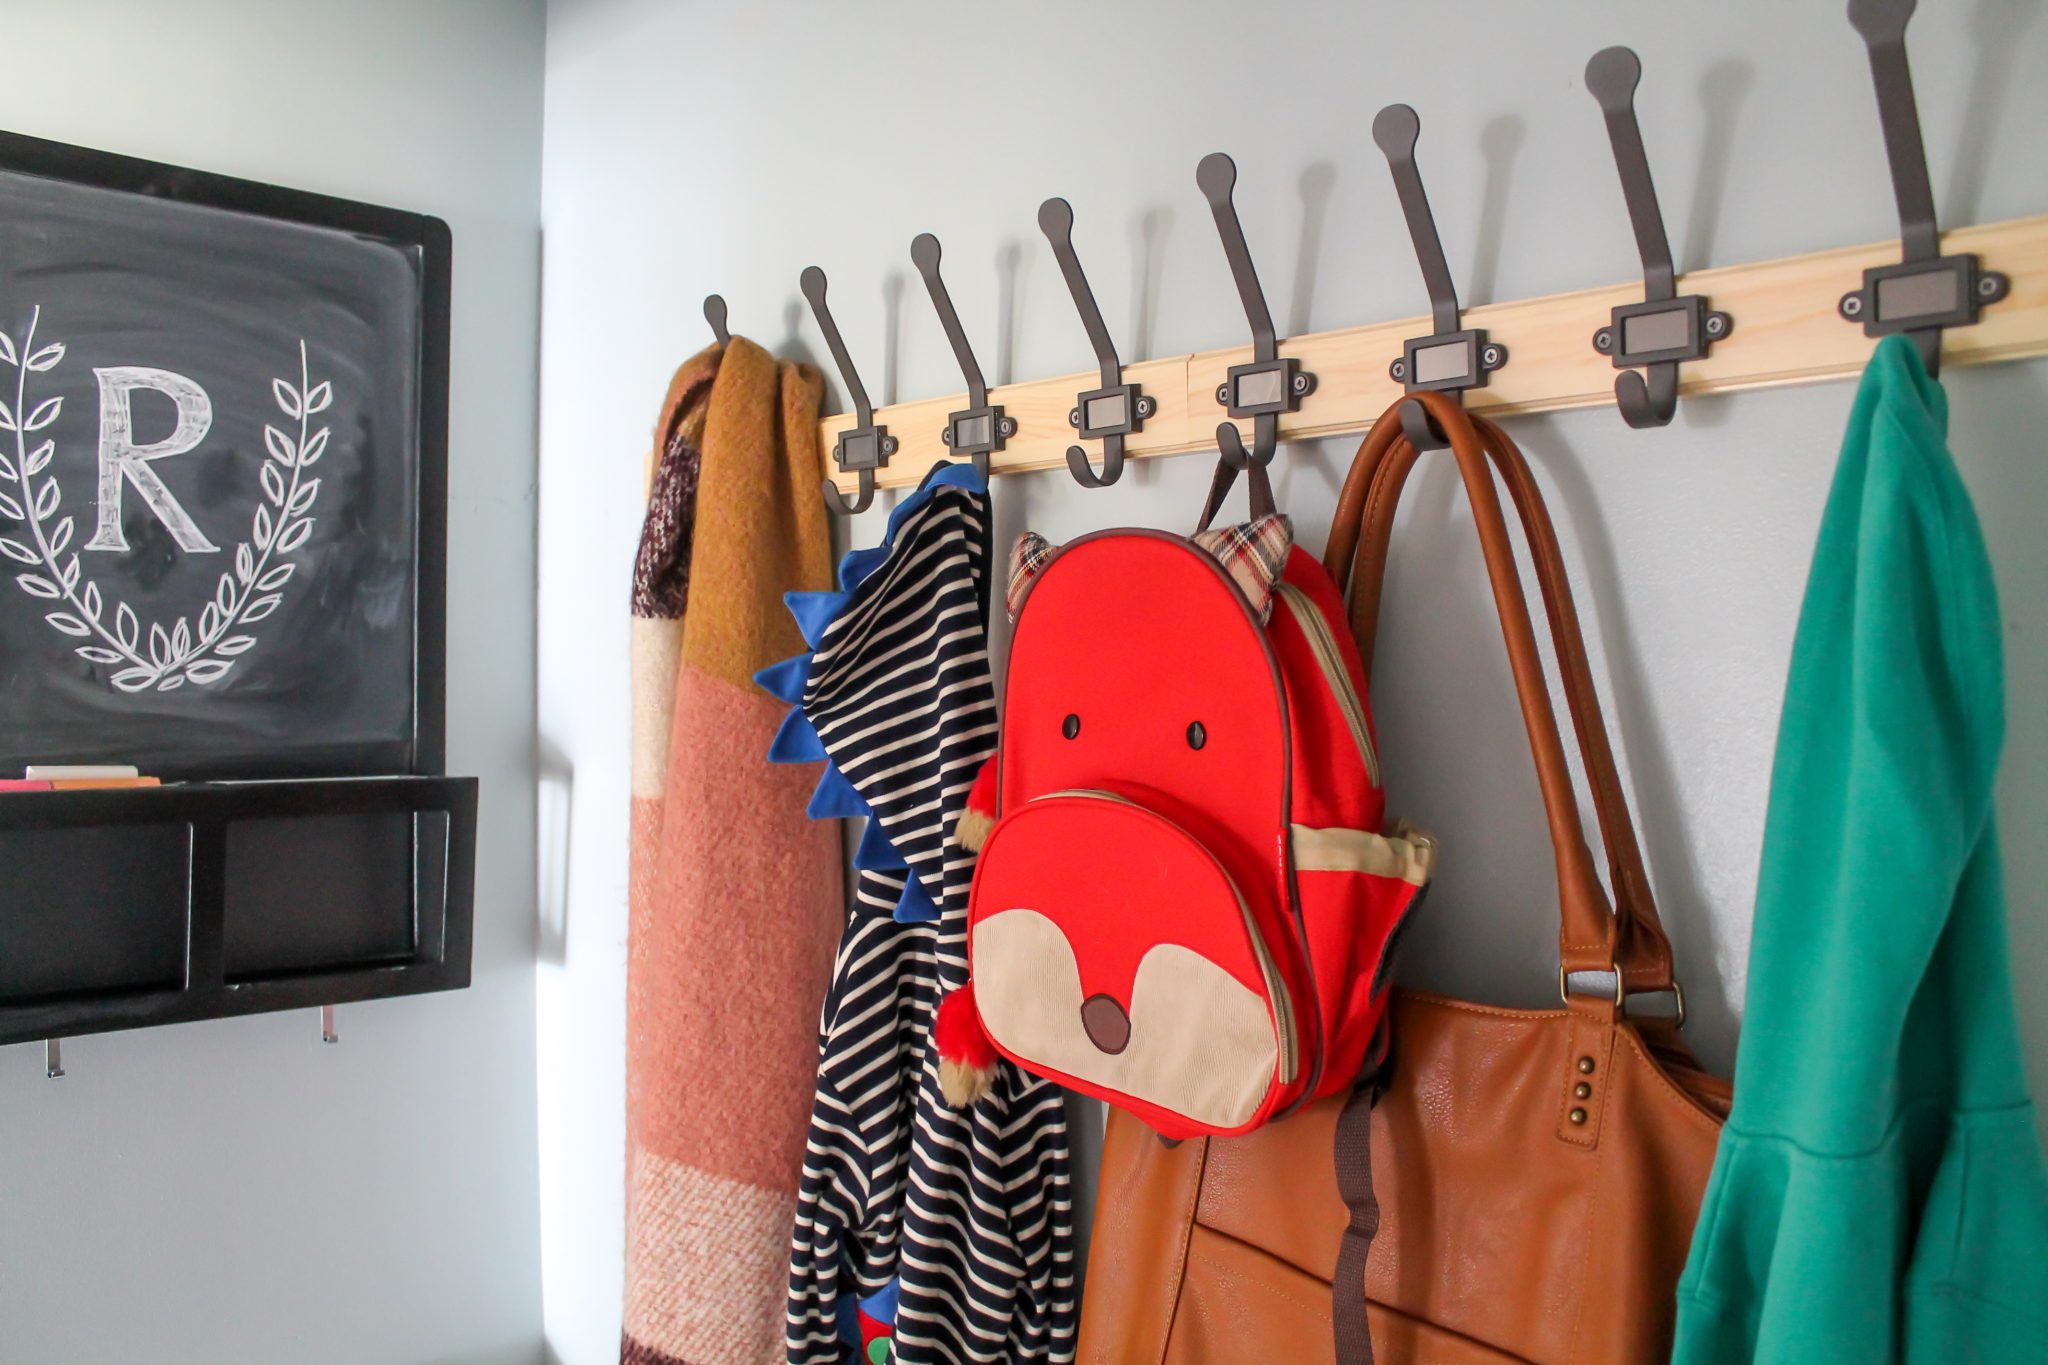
[(1071, 726), (1197, 736)]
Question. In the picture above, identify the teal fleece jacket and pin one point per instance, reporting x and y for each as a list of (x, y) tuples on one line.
[(1879, 1192)]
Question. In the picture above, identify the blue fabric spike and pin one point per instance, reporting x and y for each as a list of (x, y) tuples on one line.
[(796, 741), (914, 906), (835, 798), (813, 612), (876, 853), (785, 681), (858, 564), (881, 1305)]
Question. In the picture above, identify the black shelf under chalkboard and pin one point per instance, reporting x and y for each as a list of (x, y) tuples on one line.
[(135, 907)]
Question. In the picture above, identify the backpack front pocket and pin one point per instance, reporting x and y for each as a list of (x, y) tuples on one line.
[(1111, 951)]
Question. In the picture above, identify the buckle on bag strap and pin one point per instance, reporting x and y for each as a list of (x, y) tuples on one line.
[(1609, 984), (1676, 1015)]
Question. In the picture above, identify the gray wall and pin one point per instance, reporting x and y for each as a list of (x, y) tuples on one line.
[(699, 148), (234, 1191)]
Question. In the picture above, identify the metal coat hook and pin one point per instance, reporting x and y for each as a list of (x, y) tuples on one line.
[(1926, 291), (979, 430), (1270, 384), (863, 446), (1117, 409), (1452, 359), (1666, 328), (714, 313), (53, 1058)]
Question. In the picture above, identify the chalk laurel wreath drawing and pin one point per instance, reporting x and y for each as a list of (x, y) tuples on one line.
[(161, 657)]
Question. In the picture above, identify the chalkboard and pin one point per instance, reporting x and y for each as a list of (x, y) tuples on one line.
[(222, 473)]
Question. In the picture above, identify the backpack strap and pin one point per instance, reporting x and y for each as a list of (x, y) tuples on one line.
[(1219, 488), (1348, 1319)]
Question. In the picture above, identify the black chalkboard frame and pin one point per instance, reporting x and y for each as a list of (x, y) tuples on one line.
[(431, 237)]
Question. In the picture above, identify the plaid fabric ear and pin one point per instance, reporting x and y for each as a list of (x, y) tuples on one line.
[(1027, 557), (1254, 554)]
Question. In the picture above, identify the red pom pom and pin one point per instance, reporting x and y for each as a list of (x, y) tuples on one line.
[(978, 818), (967, 1058), (958, 1032)]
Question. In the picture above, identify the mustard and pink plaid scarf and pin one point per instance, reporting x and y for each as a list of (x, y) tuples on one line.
[(736, 897)]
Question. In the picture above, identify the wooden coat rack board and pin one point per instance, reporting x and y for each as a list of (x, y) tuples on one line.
[(1787, 331)]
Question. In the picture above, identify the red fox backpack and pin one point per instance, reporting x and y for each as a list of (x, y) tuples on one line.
[(1184, 904)]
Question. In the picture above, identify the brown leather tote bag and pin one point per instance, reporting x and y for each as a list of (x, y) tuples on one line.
[(1535, 1173)]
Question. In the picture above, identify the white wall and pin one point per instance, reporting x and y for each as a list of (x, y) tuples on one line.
[(234, 1191), (698, 148)]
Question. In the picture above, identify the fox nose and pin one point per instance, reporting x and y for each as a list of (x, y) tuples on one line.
[(1105, 1023)]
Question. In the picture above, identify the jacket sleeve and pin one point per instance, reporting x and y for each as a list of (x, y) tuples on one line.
[(844, 1244)]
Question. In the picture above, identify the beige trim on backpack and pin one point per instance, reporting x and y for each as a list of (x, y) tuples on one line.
[(1405, 853)]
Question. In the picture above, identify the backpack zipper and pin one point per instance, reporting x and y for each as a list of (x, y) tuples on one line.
[(1276, 985), (1323, 645)]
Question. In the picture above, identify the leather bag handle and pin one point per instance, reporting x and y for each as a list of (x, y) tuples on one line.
[(1591, 939), (1645, 958)]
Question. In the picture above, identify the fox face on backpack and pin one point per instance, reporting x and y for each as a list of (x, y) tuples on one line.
[(1184, 902)]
